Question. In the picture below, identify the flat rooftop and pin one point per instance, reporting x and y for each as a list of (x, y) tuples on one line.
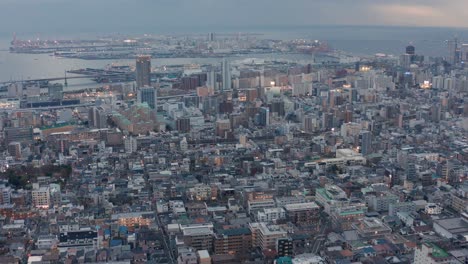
[(456, 226), (301, 206)]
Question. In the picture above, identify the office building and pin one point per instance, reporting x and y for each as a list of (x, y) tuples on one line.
[(183, 125), (148, 95), (97, 117), (277, 106), (55, 91), (211, 78), (264, 116), (365, 140), (410, 50), (143, 71)]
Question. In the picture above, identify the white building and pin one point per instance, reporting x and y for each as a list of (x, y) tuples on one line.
[(271, 214), (253, 206), (432, 209), (46, 242)]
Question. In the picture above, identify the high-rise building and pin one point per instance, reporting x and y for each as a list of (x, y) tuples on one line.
[(452, 51), (410, 50), (183, 125), (227, 82), (365, 140), (97, 117), (411, 171), (464, 53), (143, 71), (277, 106), (405, 60), (308, 124), (148, 95), (211, 36), (264, 116), (211, 78), (55, 91)]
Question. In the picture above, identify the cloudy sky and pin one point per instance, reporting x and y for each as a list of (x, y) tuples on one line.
[(129, 15)]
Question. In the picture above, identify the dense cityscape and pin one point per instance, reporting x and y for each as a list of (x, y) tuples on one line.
[(334, 158)]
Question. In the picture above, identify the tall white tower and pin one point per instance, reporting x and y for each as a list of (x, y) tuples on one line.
[(211, 78)]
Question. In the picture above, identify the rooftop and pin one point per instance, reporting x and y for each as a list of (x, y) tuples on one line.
[(301, 206), (453, 225), (234, 231), (437, 251)]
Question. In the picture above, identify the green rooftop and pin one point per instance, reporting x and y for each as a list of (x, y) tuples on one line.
[(284, 260), (324, 193), (437, 251), (57, 125)]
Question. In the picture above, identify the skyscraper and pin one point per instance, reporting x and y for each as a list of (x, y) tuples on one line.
[(211, 78), (453, 51), (365, 138), (97, 117), (55, 91), (410, 50), (226, 67), (148, 95), (264, 116), (143, 71)]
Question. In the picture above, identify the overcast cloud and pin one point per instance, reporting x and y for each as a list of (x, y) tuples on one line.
[(167, 15)]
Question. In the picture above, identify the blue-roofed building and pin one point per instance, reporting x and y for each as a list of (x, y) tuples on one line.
[(115, 243)]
